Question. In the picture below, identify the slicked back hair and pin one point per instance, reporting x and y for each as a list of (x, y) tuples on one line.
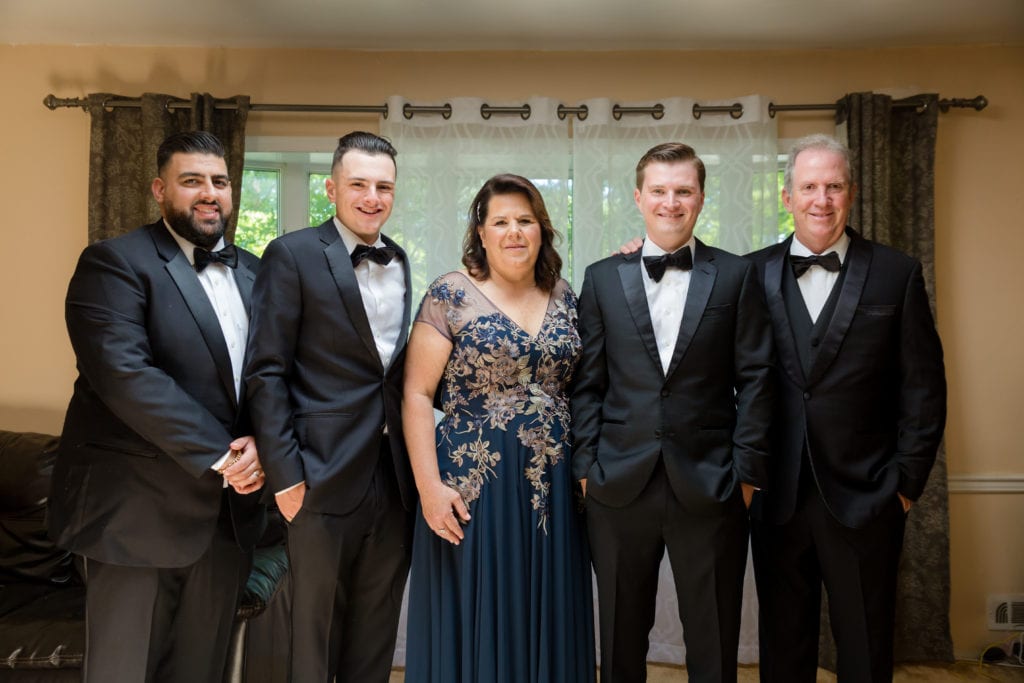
[(190, 142), (362, 141)]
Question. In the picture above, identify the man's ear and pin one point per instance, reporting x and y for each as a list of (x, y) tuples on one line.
[(330, 188), (158, 189)]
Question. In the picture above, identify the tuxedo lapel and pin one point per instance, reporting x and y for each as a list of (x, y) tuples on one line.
[(859, 263), (184, 276), (403, 335), (636, 301), (244, 279), (782, 327), (340, 263), (702, 281)]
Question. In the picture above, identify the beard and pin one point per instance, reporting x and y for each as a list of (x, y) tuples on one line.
[(203, 234)]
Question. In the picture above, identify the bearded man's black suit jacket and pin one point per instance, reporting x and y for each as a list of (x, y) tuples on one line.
[(154, 408)]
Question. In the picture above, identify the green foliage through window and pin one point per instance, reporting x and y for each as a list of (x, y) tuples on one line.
[(259, 211), (320, 207)]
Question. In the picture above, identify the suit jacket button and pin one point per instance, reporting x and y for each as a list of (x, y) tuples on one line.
[(665, 393), (815, 341), (657, 433), (807, 394)]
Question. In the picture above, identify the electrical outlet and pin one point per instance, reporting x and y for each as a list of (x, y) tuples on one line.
[(1005, 612)]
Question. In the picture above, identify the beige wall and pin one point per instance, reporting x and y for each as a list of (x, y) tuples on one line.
[(979, 204)]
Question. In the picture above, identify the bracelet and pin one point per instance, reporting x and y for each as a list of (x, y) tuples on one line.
[(237, 455)]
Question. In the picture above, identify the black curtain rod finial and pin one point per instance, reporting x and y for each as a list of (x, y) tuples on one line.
[(976, 103)]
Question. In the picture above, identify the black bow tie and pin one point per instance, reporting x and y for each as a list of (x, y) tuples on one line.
[(381, 255), (228, 256), (829, 261), (656, 265)]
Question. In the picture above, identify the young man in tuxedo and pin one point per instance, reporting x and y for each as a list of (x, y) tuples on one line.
[(324, 371), (859, 414), (155, 478), (671, 410)]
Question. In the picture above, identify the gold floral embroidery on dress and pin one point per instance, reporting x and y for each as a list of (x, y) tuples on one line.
[(498, 378)]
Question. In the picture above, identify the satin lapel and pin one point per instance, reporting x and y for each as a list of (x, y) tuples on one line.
[(859, 257), (244, 279), (702, 281), (784, 342), (184, 277), (403, 335), (340, 263), (636, 301)]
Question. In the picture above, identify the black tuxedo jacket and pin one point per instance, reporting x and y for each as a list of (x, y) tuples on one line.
[(153, 408), (319, 395), (870, 409), (707, 416)]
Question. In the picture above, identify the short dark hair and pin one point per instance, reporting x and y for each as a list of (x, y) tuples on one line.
[(364, 142), (548, 269), (670, 153), (188, 142)]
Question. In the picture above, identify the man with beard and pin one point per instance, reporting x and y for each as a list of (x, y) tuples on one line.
[(154, 484)]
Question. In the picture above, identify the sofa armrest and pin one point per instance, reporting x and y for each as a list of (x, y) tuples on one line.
[(268, 567)]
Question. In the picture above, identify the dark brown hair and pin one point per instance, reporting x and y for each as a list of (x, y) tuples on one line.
[(548, 268), (670, 153), (188, 142), (362, 141)]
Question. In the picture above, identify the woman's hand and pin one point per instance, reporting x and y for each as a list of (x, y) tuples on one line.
[(442, 509)]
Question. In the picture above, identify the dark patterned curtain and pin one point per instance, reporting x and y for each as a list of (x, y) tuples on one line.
[(122, 153), (893, 154)]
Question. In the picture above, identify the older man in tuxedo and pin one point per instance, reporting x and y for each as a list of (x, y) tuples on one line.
[(855, 429), (155, 480), (324, 371), (671, 411)]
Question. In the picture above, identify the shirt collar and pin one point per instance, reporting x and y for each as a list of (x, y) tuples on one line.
[(797, 248), (652, 249), (187, 247), (350, 239)]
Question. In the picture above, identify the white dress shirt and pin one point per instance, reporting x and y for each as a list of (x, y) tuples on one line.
[(817, 283), (666, 300), (382, 289), (221, 289)]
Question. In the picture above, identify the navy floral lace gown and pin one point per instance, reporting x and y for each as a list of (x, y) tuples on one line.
[(512, 603)]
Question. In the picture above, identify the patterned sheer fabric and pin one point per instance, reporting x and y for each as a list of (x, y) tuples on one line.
[(588, 176)]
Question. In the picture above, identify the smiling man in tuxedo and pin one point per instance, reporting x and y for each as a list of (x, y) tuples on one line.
[(670, 420), (325, 370), (856, 426), (155, 480)]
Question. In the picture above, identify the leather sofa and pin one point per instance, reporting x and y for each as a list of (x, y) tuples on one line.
[(42, 596)]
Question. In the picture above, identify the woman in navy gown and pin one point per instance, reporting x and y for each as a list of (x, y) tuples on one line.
[(500, 586)]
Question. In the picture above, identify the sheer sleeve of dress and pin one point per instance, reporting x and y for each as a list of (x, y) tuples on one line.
[(435, 306), (448, 304)]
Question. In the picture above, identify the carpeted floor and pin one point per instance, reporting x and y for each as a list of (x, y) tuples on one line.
[(918, 673)]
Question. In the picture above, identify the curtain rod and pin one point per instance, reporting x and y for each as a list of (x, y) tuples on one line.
[(486, 111)]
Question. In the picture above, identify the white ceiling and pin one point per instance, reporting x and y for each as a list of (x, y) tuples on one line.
[(514, 24)]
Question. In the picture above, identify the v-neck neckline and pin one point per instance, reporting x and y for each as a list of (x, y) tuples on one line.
[(506, 316)]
